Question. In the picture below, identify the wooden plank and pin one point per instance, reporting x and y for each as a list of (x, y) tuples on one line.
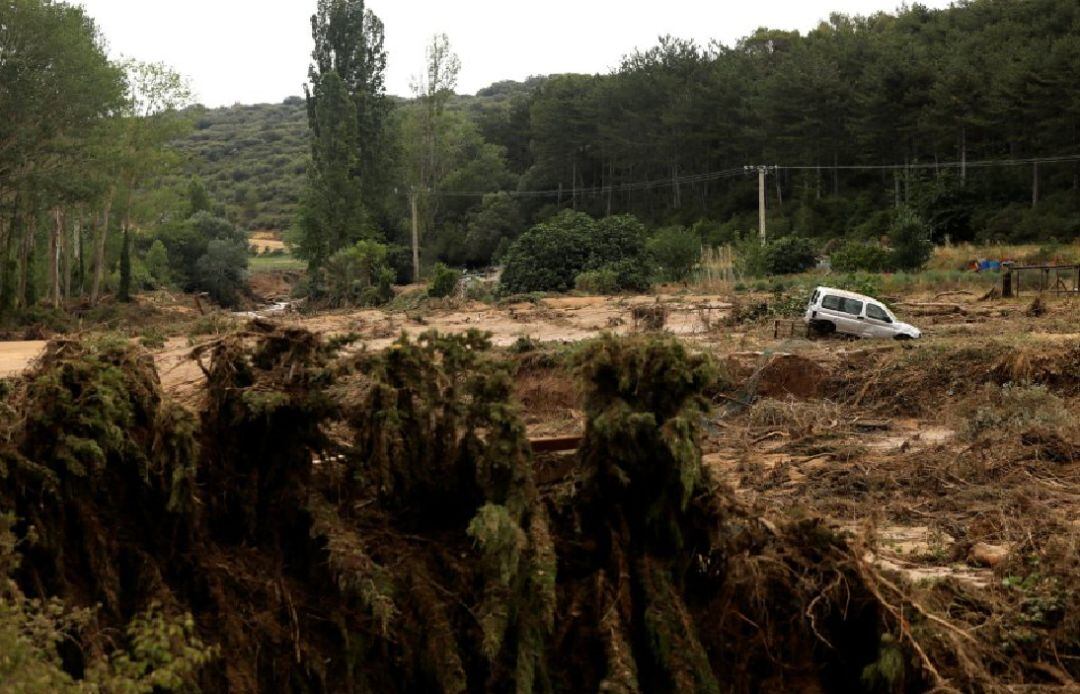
[(555, 444)]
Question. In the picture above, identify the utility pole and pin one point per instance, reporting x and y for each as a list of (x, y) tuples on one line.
[(762, 171), (415, 236)]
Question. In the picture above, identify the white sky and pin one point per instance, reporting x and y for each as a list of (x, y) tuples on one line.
[(253, 51)]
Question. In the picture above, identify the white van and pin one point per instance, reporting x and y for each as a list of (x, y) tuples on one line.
[(836, 311)]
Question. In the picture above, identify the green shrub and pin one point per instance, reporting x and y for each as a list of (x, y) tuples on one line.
[(152, 338), (37, 315), (602, 281), (632, 274), (222, 271), (444, 282), (855, 256), (359, 276), (788, 302), (789, 255), (550, 256), (186, 243), (676, 251)]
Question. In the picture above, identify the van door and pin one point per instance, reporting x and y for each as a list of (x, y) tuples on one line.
[(878, 323), (854, 310), (845, 313)]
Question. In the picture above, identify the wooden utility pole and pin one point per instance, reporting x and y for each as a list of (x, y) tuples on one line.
[(761, 202), (761, 172), (415, 236)]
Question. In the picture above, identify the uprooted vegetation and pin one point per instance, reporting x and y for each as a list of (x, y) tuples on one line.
[(960, 467), (377, 523)]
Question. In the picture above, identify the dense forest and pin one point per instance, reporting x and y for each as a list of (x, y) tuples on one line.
[(930, 90)]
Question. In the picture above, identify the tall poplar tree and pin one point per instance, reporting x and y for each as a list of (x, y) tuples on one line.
[(347, 110)]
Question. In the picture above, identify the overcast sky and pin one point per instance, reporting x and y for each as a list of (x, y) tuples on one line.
[(253, 51)]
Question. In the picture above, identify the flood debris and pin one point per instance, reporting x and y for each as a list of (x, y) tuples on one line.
[(375, 522)]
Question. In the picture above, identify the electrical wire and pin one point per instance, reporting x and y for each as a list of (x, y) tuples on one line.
[(742, 171)]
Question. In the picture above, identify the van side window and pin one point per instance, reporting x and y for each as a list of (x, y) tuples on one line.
[(831, 302), (852, 306), (877, 313)]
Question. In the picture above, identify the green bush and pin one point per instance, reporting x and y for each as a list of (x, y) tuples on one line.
[(855, 256), (222, 271), (359, 275), (550, 256), (789, 255), (444, 282), (602, 281), (186, 242), (676, 251), (750, 257), (788, 302)]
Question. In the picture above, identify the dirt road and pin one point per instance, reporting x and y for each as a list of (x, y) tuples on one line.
[(16, 356)]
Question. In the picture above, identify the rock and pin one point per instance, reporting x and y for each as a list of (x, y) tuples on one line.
[(987, 555)]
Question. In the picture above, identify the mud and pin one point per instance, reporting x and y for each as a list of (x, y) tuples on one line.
[(16, 356)]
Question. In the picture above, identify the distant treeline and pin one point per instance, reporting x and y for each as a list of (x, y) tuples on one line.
[(988, 79), (983, 80)]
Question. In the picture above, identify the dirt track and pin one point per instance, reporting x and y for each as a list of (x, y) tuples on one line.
[(15, 356)]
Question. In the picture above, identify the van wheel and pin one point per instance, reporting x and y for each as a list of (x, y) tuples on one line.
[(902, 338), (822, 328)]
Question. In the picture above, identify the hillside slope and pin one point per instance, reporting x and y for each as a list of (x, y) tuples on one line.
[(251, 158)]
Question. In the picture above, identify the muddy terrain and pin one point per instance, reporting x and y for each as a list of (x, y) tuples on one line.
[(879, 515)]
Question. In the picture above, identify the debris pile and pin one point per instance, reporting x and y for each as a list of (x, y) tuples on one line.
[(374, 523)]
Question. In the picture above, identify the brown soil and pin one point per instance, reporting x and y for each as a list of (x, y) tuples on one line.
[(15, 356)]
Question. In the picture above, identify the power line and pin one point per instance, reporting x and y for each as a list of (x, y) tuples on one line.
[(984, 163), (741, 171), (620, 188)]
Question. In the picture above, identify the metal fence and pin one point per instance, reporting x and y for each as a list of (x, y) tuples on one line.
[(1052, 279)]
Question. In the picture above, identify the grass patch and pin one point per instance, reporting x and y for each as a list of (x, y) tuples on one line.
[(269, 263)]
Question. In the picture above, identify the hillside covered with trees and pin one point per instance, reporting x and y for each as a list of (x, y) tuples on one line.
[(252, 160), (925, 109), (962, 119)]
